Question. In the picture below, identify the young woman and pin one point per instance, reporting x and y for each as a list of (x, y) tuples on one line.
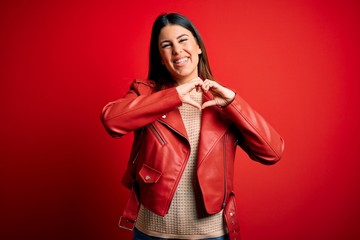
[(186, 128)]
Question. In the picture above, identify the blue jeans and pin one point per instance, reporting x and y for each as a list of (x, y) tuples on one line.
[(141, 236)]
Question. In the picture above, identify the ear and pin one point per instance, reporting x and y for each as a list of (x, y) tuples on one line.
[(199, 51)]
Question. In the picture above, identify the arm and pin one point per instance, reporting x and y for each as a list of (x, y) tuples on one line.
[(259, 140), (138, 108)]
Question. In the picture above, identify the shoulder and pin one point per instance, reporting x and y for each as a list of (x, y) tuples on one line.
[(143, 86)]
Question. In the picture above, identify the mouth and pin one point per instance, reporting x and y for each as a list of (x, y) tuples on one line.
[(181, 61)]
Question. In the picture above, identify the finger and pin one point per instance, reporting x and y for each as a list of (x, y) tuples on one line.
[(205, 86), (196, 83), (198, 88), (194, 104), (208, 104), (208, 81), (208, 84), (186, 88)]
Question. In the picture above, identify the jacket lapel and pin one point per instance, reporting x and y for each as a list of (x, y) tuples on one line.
[(213, 127), (174, 121)]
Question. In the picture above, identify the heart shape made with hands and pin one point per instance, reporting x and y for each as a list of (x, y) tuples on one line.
[(219, 95)]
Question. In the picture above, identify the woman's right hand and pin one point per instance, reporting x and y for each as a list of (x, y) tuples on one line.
[(185, 89)]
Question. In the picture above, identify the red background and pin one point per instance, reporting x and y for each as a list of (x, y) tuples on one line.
[(296, 62)]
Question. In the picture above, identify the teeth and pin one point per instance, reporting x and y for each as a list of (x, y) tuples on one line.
[(182, 60)]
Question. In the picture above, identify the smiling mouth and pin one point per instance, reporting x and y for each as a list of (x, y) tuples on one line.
[(181, 61)]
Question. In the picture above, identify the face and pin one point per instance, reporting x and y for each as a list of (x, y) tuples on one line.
[(179, 53)]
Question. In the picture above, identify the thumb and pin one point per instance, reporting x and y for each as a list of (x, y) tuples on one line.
[(208, 104), (194, 104)]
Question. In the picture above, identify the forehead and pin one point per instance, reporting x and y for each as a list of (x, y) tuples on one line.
[(170, 32)]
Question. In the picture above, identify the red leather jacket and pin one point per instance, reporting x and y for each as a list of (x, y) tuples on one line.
[(161, 148)]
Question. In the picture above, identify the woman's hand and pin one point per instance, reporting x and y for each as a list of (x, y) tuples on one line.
[(185, 89), (222, 95)]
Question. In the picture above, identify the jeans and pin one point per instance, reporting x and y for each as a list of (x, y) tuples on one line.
[(141, 236)]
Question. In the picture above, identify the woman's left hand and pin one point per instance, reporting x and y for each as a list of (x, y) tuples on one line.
[(222, 95)]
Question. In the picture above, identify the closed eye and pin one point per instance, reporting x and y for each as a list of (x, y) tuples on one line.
[(165, 44)]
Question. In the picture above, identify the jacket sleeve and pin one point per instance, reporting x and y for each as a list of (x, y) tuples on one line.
[(258, 139), (138, 108)]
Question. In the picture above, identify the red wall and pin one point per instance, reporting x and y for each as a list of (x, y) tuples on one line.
[(296, 62)]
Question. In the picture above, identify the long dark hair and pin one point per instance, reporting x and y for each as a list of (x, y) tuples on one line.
[(157, 71)]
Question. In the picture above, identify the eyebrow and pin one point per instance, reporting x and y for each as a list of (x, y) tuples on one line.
[(182, 35)]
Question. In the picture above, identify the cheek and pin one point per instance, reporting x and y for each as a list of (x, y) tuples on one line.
[(166, 60), (194, 49), (195, 57), (165, 56)]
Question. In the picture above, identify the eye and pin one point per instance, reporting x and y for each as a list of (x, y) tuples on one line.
[(183, 40), (166, 45)]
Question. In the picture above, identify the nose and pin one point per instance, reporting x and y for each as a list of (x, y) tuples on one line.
[(176, 49)]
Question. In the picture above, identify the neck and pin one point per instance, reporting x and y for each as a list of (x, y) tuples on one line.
[(185, 80)]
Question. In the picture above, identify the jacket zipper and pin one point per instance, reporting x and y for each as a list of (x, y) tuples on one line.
[(182, 170), (172, 129), (136, 156), (236, 142), (157, 134), (139, 147), (225, 170)]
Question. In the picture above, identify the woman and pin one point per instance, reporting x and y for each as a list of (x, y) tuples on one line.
[(186, 128)]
